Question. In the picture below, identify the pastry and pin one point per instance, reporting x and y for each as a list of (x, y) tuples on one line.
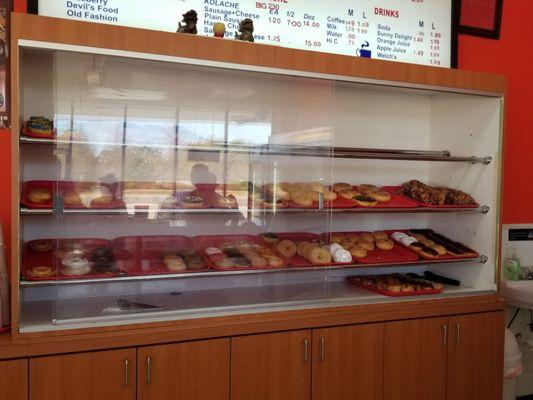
[(380, 235), (303, 199), (367, 189), (225, 202), (257, 261), (39, 196), (366, 237), (194, 262), (192, 202), (347, 243), (270, 238), (40, 272), (75, 266), (286, 248), (358, 252), (302, 247), (270, 202), (365, 201), (368, 246), (275, 262), (348, 194), (71, 249), (41, 246), (71, 198), (103, 260), (276, 192), (428, 252), (174, 263), (329, 195), (384, 244), (224, 263), (97, 194), (435, 195), (381, 196), (439, 249), (318, 255), (241, 262), (341, 256), (340, 187), (40, 126), (336, 237), (352, 235)]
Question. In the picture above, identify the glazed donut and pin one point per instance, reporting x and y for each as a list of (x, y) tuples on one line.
[(384, 244), (381, 196), (368, 246), (314, 195), (352, 235), (40, 271), (439, 249), (366, 237), (318, 255), (294, 194), (339, 187), (316, 187), (286, 248), (347, 243), (257, 261), (304, 200), (380, 235), (358, 252), (348, 194), (224, 263)]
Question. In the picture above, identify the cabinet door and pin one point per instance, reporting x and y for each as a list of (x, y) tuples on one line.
[(415, 355), (348, 362), (192, 371), (475, 356), (102, 375), (14, 380), (271, 367)]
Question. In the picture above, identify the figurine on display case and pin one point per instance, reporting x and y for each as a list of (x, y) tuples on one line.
[(190, 19), (246, 29), (219, 29)]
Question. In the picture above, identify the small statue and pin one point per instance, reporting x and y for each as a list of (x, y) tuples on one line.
[(219, 29), (190, 19), (246, 29)]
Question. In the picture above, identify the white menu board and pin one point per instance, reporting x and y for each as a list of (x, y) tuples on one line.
[(415, 31)]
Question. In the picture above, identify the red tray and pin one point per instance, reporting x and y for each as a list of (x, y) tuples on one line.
[(395, 191), (398, 254), (203, 242), (395, 294), (443, 257), (26, 132), (31, 258), (5, 329), (396, 201), (142, 255), (63, 187)]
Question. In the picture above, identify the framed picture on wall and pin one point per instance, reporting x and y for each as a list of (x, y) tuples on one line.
[(481, 18)]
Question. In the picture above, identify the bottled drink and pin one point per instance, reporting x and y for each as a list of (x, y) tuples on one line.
[(513, 268)]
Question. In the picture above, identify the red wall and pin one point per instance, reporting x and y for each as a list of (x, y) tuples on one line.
[(511, 56)]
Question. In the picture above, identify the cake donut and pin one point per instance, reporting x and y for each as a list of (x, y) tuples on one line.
[(286, 248), (384, 244)]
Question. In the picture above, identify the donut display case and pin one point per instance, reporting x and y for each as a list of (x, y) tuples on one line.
[(210, 189)]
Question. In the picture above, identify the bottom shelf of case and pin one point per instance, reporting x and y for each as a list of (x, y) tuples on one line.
[(54, 315)]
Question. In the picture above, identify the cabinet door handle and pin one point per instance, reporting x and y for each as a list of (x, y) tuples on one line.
[(444, 335), (322, 349), (126, 372), (306, 351), (457, 333), (148, 370)]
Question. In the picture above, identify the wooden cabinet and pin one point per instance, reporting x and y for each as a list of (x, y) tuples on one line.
[(475, 356), (348, 362), (192, 371), (271, 367), (415, 353), (102, 375), (455, 358), (14, 380)]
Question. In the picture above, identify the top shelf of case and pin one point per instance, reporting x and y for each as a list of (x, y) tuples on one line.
[(288, 150)]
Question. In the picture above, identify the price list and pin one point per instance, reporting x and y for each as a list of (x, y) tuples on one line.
[(416, 31)]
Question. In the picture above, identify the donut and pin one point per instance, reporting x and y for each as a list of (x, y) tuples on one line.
[(318, 255), (352, 235), (368, 246), (316, 187), (336, 237), (257, 261), (270, 238), (347, 243), (71, 197), (275, 262), (329, 195), (304, 200), (40, 271), (39, 196), (339, 187), (286, 248), (358, 252), (242, 262), (300, 248), (365, 201), (174, 263), (439, 249), (314, 195), (384, 244), (224, 263), (380, 235), (41, 246), (348, 194), (428, 252), (297, 193), (381, 196), (367, 189), (191, 202), (366, 237), (342, 256)]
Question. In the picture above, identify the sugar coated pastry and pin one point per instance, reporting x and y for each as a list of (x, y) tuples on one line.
[(334, 247), (342, 256)]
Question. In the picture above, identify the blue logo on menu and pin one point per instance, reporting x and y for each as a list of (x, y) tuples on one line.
[(364, 51)]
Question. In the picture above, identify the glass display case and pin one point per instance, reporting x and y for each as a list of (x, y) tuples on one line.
[(162, 189)]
